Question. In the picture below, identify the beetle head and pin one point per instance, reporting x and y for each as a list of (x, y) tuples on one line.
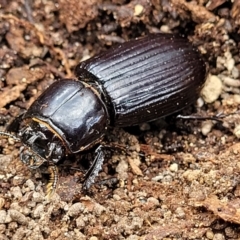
[(39, 144)]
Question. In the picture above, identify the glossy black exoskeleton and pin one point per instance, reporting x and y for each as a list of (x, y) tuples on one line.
[(138, 81)]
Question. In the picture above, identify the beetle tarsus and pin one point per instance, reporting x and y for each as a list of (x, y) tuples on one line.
[(95, 168)]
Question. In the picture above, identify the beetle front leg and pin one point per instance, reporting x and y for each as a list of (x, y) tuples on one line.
[(94, 168)]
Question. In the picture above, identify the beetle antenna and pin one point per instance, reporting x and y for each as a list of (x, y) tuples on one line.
[(53, 181), (6, 134)]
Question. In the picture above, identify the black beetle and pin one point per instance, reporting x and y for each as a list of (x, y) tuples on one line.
[(134, 82)]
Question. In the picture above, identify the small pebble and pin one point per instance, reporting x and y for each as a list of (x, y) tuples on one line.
[(236, 98), (212, 89), (99, 209), (16, 216), (38, 211), (136, 222), (17, 193), (93, 238), (153, 201), (122, 169), (76, 209), (230, 232), (200, 102), (210, 234), (80, 223), (187, 157), (173, 167), (229, 61), (180, 213), (116, 197), (192, 175), (37, 197), (3, 215), (138, 10), (5, 161), (230, 81), (206, 127), (30, 184), (165, 29), (235, 72), (12, 226), (230, 64), (236, 131), (218, 236)]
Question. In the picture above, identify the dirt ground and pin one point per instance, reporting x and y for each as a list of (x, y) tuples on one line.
[(179, 178)]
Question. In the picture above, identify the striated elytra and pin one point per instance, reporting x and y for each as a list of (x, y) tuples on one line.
[(137, 81)]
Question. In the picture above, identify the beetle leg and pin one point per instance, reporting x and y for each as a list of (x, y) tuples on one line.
[(217, 117), (95, 168), (53, 181)]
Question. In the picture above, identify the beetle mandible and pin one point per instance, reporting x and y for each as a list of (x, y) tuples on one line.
[(134, 82)]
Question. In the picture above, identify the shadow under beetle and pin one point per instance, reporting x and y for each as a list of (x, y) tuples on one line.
[(134, 82)]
